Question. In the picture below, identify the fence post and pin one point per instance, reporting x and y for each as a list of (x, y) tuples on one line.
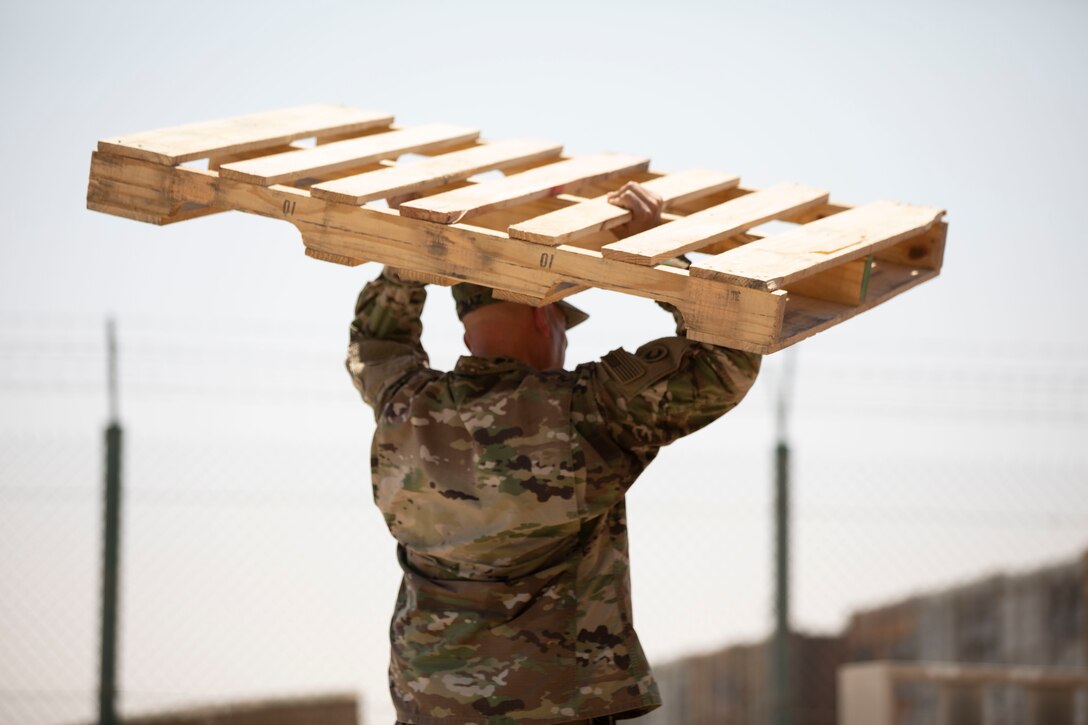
[(782, 668), (111, 546)]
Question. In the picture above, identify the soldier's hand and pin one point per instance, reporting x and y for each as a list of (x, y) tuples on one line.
[(645, 207)]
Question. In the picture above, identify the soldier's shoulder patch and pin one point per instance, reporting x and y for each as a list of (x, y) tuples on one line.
[(623, 366), (633, 373)]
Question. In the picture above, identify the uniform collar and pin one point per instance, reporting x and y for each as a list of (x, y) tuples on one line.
[(472, 365)]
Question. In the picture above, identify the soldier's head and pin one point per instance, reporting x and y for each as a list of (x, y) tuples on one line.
[(537, 336)]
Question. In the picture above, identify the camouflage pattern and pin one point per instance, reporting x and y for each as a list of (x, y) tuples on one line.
[(504, 488)]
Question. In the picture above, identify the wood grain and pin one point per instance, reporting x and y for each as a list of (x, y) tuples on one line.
[(806, 316), (714, 224), (332, 157), (762, 295), (178, 144), (566, 225), (550, 180), (773, 262), (435, 172)]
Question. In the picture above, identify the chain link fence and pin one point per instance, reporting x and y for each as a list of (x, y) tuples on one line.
[(254, 564)]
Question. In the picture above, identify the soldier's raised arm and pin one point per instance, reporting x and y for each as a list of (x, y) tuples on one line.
[(384, 350), (671, 387), (629, 405)]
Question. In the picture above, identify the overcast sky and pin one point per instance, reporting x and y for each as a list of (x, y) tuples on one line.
[(937, 437)]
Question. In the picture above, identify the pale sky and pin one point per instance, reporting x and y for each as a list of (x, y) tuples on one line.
[(938, 437)]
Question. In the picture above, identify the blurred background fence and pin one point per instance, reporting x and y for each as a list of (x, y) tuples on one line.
[(255, 565)]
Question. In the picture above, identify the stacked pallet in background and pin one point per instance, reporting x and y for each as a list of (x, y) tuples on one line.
[(1024, 623), (1032, 618), (537, 233), (732, 686)]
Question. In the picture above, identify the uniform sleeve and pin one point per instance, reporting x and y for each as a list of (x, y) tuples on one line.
[(667, 389), (384, 351)]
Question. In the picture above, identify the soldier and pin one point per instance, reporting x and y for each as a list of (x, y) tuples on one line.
[(503, 483)]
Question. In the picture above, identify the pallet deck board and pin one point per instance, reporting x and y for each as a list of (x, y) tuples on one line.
[(538, 233), (436, 171), (715, 224), (573, 222), (350, 153), (179, 144), (773, 262), (550, 180)]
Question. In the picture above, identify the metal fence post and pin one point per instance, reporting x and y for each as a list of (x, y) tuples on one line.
[(111, 549)]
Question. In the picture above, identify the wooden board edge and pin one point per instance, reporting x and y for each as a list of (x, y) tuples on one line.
[(153, 217), (442, 182), (834, 314), (342, 130), (126, 212), (844, 284), (412, 275), (616, 249), (323, 256), (785, 280), (556, 293), (525, 232), (726, 341), (456, 215)]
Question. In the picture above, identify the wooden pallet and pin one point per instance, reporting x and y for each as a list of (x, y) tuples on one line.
[(539, 231)]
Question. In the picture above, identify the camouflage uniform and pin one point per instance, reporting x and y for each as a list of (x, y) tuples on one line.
[(504, 487)]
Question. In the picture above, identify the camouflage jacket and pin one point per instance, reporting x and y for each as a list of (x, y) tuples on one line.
[(504, 488)]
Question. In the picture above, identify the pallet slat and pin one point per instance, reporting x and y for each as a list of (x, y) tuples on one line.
[(354, 152), (179, 144), (574, 222), (436, 171), (714, 224), (550, 180), (558, 292), (773, 262)]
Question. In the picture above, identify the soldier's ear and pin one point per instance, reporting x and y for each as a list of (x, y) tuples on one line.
[(465, 338), (542, 320)]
